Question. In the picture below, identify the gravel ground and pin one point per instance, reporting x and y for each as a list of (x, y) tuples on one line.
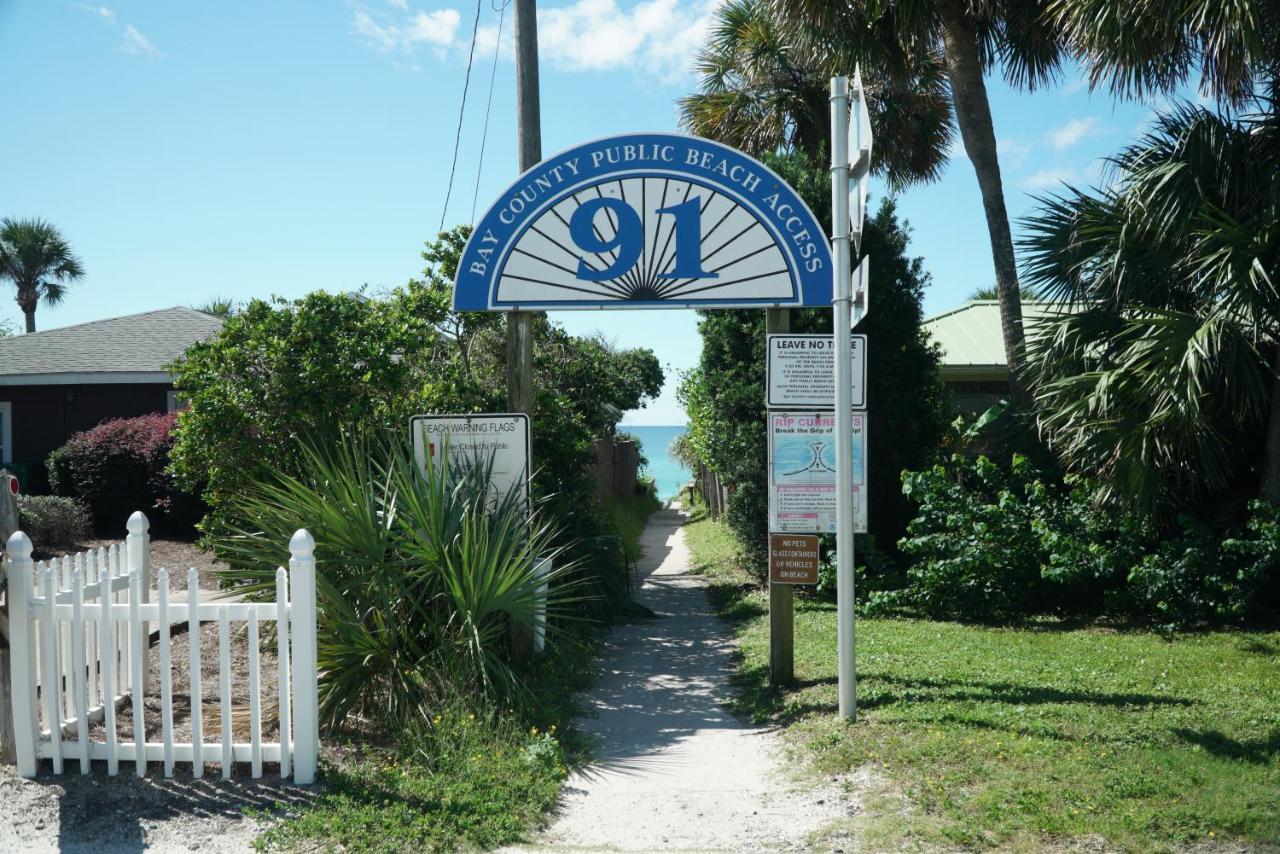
[(98, 813)]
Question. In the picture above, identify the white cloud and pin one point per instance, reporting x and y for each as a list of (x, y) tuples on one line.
[(1050, 179), (138, 44), (437, 28), (132, 41), (1079, 84), (103, 12), (402, 34), (1013, 153), (1072, 132), (658, 37)]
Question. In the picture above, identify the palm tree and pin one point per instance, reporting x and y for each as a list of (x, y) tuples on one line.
[(39, 262), (219, 306), (991, 292), (1161, 375), (763, 91), (1233, 46), (968, 38)]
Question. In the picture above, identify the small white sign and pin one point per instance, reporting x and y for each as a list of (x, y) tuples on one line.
[(861, 291), (859, 156), (802, 472), (802, 368), (502, 438)]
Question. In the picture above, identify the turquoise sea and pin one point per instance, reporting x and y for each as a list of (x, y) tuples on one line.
[(655, 443)]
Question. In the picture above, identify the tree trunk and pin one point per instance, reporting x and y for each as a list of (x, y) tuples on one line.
[(1270, 488), (973, 115), (30, 315)]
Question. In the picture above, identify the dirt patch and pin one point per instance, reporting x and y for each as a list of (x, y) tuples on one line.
[(210, 688), (176, 555), (99, 814)]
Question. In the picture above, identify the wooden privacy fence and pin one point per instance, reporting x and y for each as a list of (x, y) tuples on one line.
[(80, 650)]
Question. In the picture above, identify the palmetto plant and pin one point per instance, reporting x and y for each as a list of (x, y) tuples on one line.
[(419, 576), (38, 260), (764, 90), (1159, 376)]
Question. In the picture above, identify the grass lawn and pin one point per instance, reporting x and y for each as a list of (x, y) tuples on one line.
[(1025, 737)]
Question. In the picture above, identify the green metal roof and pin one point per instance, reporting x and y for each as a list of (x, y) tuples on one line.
[(969, 334)]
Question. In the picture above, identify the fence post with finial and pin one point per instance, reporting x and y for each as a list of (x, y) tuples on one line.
[(138, 555), (302, 616), (25, 722)]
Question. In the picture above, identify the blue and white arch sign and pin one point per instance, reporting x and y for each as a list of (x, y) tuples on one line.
[(646, 221)]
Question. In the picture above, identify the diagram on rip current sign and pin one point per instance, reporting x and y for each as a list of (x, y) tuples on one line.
[(802, 472)]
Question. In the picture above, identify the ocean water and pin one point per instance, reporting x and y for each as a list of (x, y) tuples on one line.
[(655, 443)]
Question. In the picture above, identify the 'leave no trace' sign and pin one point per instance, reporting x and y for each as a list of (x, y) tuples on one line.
[(802, 372)]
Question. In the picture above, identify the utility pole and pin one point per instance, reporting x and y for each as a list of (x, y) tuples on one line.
[(529, 136), (520, 323)]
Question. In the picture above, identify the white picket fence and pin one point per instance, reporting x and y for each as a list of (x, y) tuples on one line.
[(80, 650)]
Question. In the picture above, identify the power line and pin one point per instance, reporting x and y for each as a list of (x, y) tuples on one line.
[(484, 138), (457, 138)]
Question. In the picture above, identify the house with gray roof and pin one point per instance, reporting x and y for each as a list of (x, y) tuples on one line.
[(61, 381)]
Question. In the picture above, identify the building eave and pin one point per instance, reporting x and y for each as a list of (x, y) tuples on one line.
[(89, 378)]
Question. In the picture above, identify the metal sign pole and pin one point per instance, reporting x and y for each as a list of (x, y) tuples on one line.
[(842, 321)]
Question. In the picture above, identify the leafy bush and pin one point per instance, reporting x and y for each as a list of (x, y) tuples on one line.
[(119, 467), (992, 544), (52, 521), (419, 577), (282, 370), (1201, 576), (973, 554)]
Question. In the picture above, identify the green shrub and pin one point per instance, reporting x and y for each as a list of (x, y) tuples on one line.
[(52, 521), (419, 577), (282, 370), (1201, 576), (994, 544)]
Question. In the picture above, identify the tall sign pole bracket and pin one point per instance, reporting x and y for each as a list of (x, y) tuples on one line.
[(842, 299)]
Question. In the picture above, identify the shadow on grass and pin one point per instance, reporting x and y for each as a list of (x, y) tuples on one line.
[(761, 700), (1259, 751), (1258, 646)]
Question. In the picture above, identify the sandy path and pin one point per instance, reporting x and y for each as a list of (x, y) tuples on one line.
[(675, 770)]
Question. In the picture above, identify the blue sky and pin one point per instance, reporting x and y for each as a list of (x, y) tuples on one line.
[(246, 149)]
